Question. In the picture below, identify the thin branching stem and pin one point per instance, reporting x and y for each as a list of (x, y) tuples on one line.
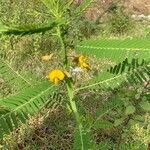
[(75, 110), (63, 47)]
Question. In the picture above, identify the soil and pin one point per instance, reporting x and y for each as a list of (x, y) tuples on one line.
[(138, 7)]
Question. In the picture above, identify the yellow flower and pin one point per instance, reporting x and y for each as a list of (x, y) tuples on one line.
[(79, 59), (81, 62), (56, 76), (82, 59), (85, 65), (47, 57)]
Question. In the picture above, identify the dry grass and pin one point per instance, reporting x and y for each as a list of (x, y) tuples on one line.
[(138, 6), (131, 6), (55, 132), (51, 129)]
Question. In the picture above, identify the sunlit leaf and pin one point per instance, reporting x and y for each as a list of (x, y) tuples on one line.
[(130, 110)]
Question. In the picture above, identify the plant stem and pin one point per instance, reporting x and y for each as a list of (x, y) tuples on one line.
[(63, 47), (75, 111)]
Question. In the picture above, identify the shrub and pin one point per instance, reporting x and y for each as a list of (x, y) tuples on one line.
[(120, 22)]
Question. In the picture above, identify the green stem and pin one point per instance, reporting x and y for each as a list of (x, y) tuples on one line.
[(63, 47), (75, 111)]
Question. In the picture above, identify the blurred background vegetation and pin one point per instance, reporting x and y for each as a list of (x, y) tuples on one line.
[(53, 129)]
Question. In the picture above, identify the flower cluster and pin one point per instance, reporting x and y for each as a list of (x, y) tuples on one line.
[(81, 62), (57, 75)]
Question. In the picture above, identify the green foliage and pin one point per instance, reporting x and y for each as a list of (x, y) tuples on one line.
[(12, 77), (120, 22), (102, 124), (129, 110), (116, 49), (136, 73), (87, 142), (27, 29), (107, 80), (57, 8), (129, 60), (105, 145), (129, 66), (79, 30), (145, 105), (127, 53), (107, 107), (83, 6), (18, 108)]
